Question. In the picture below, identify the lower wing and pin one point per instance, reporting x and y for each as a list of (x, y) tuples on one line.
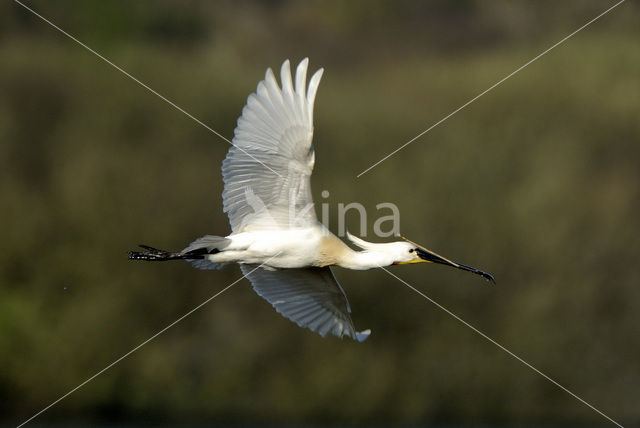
[(310, 297)]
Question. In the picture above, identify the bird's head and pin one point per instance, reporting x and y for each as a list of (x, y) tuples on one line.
[(410, 252)]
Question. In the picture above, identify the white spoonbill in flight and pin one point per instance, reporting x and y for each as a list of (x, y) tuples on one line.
[(276, 237)]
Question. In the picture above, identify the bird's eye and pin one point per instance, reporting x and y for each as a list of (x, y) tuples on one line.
[(411, 250)]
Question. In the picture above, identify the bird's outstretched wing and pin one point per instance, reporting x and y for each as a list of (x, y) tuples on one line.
[(310, 297), (266, 172)]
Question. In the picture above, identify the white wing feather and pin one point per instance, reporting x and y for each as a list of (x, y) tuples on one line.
[(310, 297), (272, 155)]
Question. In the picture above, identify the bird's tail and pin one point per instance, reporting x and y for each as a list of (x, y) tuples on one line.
[(196, 253)]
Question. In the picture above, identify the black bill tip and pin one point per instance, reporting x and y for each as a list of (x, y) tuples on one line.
[(432, 257), (483, 274)]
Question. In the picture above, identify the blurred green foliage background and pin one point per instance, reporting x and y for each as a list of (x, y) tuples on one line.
[(537, 182)]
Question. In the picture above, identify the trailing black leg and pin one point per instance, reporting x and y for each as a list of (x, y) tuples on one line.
[(196, 253), (154, 255)]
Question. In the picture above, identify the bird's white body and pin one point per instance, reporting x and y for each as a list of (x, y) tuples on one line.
[(310, 246), (282, 249), (276, 237)]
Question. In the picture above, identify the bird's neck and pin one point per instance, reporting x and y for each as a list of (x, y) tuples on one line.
[(335, 252), (363, 260)]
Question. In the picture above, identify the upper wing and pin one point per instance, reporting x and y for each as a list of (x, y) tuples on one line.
[(266, 172), (310, 297)]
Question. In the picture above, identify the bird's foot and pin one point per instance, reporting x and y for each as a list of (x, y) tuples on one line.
[(152, 254)]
